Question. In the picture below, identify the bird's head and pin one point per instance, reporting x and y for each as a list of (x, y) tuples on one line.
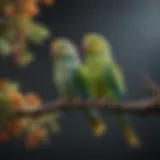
[(63, 47), (94, 43)]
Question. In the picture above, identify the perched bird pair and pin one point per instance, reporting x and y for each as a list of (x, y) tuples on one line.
[(99, 76)]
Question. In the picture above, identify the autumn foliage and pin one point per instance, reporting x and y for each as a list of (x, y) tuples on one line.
[(18, 26), (11, 101)]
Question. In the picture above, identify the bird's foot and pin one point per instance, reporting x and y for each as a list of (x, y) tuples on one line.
[(99, 128), (133, 140)]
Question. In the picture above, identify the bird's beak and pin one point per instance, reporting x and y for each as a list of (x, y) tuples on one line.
[(86, 48), (53, 48)]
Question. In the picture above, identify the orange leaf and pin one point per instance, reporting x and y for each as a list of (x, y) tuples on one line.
[(32, 99), (28, 7), (15, 127), (31, 142), (41, 133), (4, 84), (9, 10), (48, 3), (17, 100), (3, 137), (35, 139), (33, 10)]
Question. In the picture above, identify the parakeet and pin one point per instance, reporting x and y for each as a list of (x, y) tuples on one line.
[(70, 82), (106, 79)]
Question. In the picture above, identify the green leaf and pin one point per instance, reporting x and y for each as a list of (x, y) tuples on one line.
[(6, 113), (14, 86), (25, 59), (5, 47), (37, 33), (28, 56), (51, 122)]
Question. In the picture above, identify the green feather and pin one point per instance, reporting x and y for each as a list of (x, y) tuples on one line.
[(106, 79), (70, 80), (37, 33), (5, 47)]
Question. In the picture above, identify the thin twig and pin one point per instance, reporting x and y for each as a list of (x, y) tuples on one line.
[(142, 107), (150, 84)]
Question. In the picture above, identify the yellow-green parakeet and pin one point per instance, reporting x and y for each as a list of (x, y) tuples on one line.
[(105, 78), (69, 79)]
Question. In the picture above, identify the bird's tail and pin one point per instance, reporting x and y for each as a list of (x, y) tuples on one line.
[(128, 131), (96, 122)]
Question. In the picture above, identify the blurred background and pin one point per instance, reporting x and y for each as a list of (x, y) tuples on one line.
[(133, 28)]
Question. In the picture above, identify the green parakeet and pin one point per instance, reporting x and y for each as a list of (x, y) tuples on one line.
[(69, 80), (106, 79)]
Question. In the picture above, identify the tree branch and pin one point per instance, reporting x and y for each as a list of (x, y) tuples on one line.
[(150, 84), (148, 106), (142, 107)]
